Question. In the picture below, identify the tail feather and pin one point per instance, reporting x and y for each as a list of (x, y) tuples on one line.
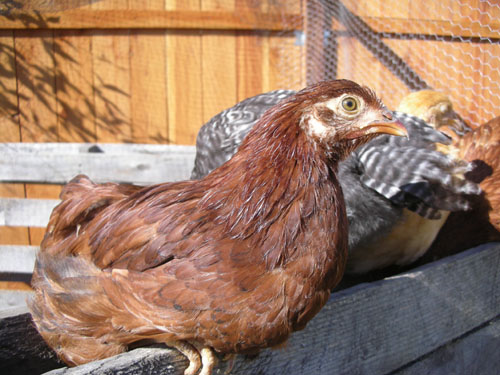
[(71, 310)]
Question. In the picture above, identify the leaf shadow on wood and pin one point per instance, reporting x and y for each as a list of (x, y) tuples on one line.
[(80, 101)]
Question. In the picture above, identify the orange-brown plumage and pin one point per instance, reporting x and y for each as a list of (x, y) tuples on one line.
[(462, 231), (234, 262), (480, 145)]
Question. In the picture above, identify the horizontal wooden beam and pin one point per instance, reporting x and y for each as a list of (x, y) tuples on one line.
[(475, 353), (19, 212), (17, 259), (57, 163), (210, 20), (149, 19)]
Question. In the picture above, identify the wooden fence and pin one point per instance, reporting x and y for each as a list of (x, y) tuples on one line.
[(57, 163), (145, 75), (144, 72), (154, 71)]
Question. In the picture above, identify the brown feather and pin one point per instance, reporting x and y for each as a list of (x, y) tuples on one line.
[(235, 261)]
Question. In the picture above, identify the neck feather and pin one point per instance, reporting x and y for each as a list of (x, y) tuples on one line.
[(273, 191)]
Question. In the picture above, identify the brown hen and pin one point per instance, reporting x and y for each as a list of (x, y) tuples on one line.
[(233, 262), (463, 231), (480, 145)]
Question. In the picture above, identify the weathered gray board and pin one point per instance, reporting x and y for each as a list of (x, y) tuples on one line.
[(374, 328), (475, 353), (58, 163), (17, 258), (21, 212)]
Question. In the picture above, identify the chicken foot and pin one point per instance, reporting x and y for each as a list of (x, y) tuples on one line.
[(203, 357)]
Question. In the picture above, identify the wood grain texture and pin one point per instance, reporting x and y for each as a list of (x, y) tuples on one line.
[(111, 66), (18, 212), (149, 19), (74, 86), (474, 353), (35, 66), (211, 20), (9, 123), (219, 76), (371, 328), (22, 350), (17, 258), (36, 86), (185, 111), (148, 79), (59, 163)]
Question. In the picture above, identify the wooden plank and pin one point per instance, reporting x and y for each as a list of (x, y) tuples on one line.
[(475, 353), (111, 64), (148, 19), (36, 86), (249, 64), (165, 164), (287, 70), (219, 77), (10, 299), (371, 328), (43, 191), (9, 122), (148, 79), (18, 212), (111, 84), (64, 148), (17, 258), (74, 81), (184, 79), (210, 20)]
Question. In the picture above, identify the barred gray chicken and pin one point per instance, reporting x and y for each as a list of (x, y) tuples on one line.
[(398, 191)]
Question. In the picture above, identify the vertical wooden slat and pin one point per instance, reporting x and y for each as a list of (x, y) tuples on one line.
[(111, 65), (249, 54), (286, 54), (218, 64), (148, 80), (184, 77), (74, 79), (36, 86), (249, 49)]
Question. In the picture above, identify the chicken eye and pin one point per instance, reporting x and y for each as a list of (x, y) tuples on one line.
[(350, 104)]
